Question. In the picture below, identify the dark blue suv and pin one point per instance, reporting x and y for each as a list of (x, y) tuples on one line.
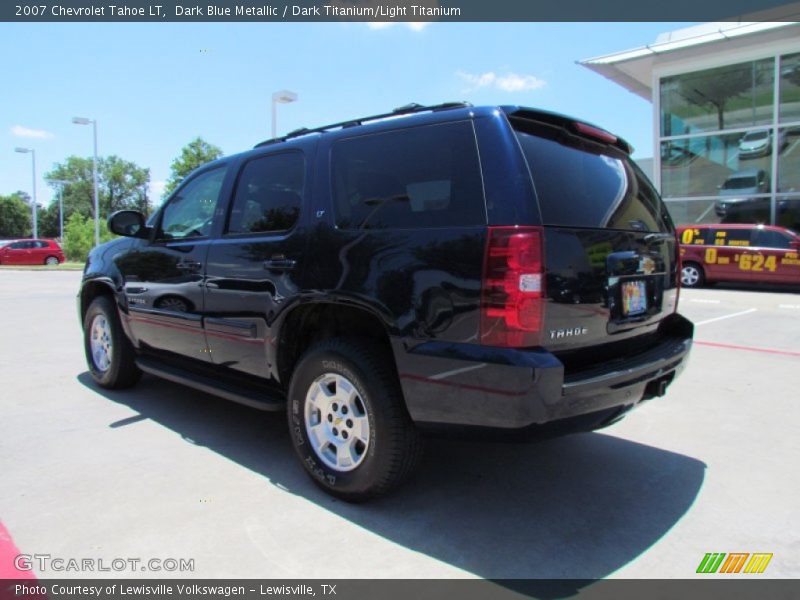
[(498, 269)]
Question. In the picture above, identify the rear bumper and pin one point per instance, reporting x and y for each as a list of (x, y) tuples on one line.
[(465, 385)]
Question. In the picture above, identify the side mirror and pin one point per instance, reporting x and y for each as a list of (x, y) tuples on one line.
[(128, 223)]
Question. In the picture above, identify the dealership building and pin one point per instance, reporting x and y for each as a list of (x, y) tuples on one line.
[(726, 118)]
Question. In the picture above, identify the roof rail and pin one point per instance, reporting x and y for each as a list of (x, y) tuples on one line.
[(401, 110)]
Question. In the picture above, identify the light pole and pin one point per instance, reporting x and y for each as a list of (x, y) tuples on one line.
[(282, 97), (60, 183), (33, 199), (85, 121)]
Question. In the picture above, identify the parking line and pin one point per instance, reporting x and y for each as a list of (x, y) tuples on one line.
[(748, 348), (704, 301), (737, 314)]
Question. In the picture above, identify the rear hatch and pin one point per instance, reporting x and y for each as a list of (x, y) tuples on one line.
[(610, 252)]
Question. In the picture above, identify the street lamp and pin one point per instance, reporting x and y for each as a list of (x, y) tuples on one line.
[(85, 121), (282, 97), (60, 183), (33, 199)]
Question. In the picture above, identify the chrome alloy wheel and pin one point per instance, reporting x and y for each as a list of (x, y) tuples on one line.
[(100, 343), (336, 422), (690, 275)]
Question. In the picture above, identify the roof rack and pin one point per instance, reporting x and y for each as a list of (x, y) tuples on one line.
[(401, 110)]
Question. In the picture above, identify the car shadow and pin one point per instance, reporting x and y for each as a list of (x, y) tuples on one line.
[(579, 507)]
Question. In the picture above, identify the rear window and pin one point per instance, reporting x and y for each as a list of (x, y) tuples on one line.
[(420, 177), (580, 183)]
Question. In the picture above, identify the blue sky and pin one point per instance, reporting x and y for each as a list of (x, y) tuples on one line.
[(154, 87)]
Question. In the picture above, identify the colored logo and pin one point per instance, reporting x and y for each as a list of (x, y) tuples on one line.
[(735, 562)]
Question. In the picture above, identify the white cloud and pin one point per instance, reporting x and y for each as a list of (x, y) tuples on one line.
[(510, 82), (27, 132), (417, 25), (412, 25)]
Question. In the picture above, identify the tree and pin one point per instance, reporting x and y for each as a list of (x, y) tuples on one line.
[(194, 154), (79, 236), (121, 185), (15, 216)]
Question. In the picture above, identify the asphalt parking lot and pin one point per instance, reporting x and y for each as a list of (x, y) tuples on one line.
[(161, 471)]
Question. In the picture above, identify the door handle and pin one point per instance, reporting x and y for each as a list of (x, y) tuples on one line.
[(279, 262)]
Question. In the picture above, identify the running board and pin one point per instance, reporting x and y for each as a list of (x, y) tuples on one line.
[(242, 395)]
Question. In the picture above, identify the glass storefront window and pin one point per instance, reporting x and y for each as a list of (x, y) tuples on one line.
[(717, 165), (790, 88), (690, 212), (789, 159), (727, 97), (787, 211)]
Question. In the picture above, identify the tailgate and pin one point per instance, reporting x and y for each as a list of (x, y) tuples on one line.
[(611, 257)]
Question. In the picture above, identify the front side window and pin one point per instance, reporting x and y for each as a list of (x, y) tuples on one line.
[(425, 176), (731, 237), (268, 195), (190, 211)]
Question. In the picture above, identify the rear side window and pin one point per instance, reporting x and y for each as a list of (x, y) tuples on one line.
[(421, 177), (766, 238), (268, 195), (580, 183)]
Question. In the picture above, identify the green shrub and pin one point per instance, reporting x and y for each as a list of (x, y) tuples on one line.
[(79, 237)]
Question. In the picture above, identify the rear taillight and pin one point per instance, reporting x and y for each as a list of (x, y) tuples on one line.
[(512, 294)]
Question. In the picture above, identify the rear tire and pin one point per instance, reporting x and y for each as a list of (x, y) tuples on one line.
[(692, 275), (348, 421), (109, 353), (51, 261)]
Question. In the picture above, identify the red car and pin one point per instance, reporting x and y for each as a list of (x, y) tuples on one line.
[(30, 252), (738, 253)]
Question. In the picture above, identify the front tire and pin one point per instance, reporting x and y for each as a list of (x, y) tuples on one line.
[(348, 422), (109, 353), (692, 275), (51, 261)]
